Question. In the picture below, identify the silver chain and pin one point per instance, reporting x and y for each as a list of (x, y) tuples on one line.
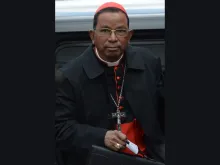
[(119, 101)]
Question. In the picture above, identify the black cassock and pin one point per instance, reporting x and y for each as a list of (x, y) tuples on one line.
[(83, 105)]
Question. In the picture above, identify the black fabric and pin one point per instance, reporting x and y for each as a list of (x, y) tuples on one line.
[(59, 157), (112, 89), (82, 105)]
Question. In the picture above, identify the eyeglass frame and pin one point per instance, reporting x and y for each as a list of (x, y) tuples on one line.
[(113, 30)]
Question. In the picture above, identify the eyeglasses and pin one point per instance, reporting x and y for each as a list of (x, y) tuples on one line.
[(107, 32)]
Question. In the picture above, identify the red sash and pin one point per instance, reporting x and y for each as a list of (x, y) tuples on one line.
[(135, 134)]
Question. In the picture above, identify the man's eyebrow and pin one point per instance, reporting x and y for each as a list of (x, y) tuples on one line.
[(121, 27), (118, 27), (105, 26)]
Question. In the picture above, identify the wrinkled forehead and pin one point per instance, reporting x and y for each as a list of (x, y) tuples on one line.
[(112, 20)]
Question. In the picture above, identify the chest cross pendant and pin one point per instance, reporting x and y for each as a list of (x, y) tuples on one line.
[(118, 115)]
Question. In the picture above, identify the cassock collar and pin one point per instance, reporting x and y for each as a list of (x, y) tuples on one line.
[(94, 68), (109, 64)]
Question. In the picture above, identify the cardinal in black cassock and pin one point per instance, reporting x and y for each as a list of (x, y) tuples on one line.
[(92, 87)]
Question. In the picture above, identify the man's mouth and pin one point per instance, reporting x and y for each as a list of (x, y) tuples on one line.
[(112, 48)]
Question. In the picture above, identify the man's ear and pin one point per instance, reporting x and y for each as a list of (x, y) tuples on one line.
[(91, 35), (130, 34)]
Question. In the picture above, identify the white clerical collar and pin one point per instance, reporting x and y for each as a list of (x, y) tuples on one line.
[(108, 63)]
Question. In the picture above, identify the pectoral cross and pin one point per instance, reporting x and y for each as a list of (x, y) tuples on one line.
[(118, 115)]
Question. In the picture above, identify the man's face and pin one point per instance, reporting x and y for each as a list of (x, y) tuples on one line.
[(110, 47)]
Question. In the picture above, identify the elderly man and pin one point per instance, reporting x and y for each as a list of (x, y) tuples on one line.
[(110, 76)]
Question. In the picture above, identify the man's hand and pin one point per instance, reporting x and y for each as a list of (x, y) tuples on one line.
[(115, 140)]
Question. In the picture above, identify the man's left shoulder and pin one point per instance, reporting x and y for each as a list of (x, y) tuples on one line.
[(145, 53)]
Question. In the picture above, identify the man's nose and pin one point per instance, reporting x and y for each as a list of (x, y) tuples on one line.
[(113, 37)]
